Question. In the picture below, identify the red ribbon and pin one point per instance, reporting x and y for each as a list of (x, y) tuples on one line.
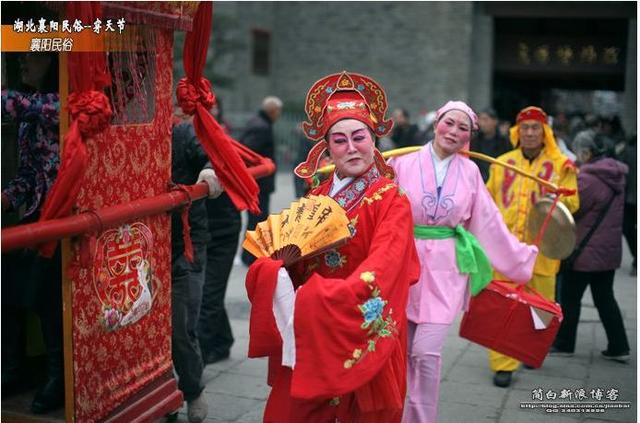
[(195, 97), (546, 221), (92, 111), (186, 227), (189, 95)]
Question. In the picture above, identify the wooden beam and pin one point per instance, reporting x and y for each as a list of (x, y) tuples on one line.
[(530, 9)]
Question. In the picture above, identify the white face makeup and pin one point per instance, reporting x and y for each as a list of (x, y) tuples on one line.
[(351, 147)]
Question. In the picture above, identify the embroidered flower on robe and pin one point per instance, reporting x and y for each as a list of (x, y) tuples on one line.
[(368, 277), (372, 309), (334, 259), (376, 325)]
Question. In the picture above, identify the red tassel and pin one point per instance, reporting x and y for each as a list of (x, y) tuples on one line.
[(87, 247), (545, 222), (186, 233), (186, 228)]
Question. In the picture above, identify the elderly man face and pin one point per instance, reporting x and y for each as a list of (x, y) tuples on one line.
[(531, 134), (272, 106)]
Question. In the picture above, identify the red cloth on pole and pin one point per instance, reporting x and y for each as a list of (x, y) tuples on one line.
[(90, 114), (195, 98)]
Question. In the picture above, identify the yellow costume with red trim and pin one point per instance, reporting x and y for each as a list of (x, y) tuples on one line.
[(515, 196)]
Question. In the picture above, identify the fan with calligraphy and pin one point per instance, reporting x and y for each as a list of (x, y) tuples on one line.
[(310, 226)]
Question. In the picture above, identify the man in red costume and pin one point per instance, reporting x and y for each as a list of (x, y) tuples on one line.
[(334, 326)]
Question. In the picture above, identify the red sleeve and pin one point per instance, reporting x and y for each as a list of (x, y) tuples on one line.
[(350, 330), (264, 337)]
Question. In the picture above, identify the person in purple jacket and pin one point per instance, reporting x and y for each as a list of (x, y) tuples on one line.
[(601, 183)]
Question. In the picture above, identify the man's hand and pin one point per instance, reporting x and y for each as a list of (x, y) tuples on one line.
[(210, 177)]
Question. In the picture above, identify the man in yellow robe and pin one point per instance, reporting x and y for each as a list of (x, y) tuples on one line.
[(536, 152)]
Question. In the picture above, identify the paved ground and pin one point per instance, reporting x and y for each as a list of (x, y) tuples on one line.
[(236, 388)]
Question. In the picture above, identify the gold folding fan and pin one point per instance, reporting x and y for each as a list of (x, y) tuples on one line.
[(309, 226)]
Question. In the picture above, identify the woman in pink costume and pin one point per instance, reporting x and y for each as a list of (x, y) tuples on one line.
[(459, 235)]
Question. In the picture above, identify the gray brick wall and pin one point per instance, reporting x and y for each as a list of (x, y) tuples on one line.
[(419, 51), (423, 53)]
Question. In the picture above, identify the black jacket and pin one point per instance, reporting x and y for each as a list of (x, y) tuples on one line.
[(188, 158), (258, 136), (492, 147), (406, 136)]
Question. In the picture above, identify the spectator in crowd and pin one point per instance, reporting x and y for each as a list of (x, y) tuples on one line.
[(258, 136), (31, 282), (560, 128), (188, 162), (404, 133), (503, 128), (224, 223), (488, 141), (426, 128), (601, 187), (629, 227)]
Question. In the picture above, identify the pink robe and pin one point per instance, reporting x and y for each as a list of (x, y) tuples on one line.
[(442, 292)]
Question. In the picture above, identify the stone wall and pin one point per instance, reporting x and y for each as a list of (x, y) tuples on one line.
[(421, 52)]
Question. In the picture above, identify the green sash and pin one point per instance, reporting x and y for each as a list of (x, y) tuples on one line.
[(470, 255)]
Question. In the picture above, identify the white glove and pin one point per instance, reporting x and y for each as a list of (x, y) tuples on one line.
[(210, 177)]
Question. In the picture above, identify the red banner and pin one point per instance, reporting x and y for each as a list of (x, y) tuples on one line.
[(121, 295)]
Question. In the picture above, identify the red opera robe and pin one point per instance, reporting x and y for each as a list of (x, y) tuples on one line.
[(349, 319)]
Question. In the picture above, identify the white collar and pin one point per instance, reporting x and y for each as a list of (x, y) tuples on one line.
[(440, 166), (437, 159), (338, 184)]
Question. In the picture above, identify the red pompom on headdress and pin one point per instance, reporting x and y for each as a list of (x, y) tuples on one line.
[(336, 97)]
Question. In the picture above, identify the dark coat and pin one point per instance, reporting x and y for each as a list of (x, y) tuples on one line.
[(598, 181), (631, 159), (405, 136), (492, 147), (258, 136), (188, 158)]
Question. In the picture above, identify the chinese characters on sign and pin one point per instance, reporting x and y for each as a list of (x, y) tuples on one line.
[(566, 54), (76, 26), (41, 26), (51, 44)]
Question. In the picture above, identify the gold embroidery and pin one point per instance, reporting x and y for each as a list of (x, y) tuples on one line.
[(377, 195)]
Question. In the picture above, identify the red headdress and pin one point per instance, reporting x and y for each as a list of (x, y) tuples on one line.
[(537, 114), (343, 96), (532, 113)]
